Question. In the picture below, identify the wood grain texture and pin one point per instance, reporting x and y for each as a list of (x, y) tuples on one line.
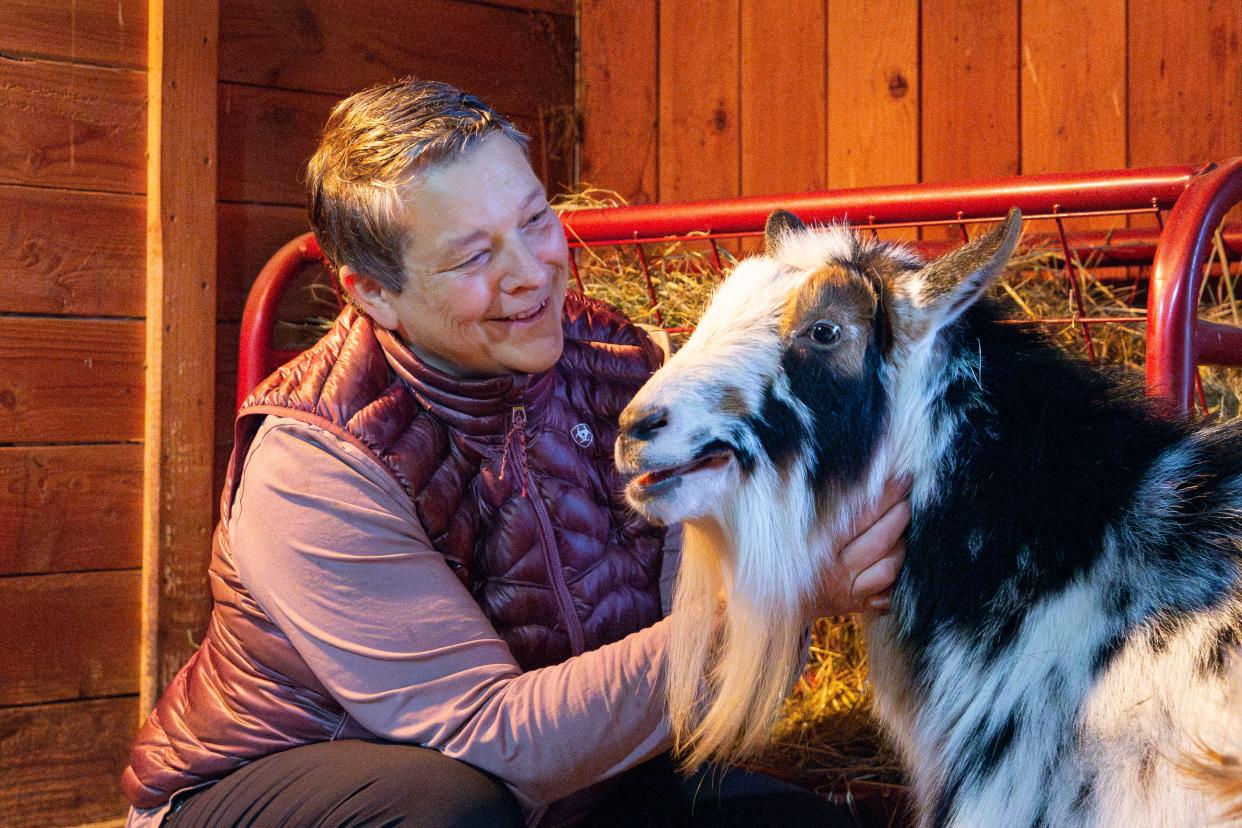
[(70, 380), (66, 125), (873, 93), (783, 96), (1073, 91), (72, 253), (248, 234), (113, 32), (180, 336), (69, 636), (70, 508), (699, 109), (551, 6), (618, 91), (266, 137), (60, 763), (970, 89), (1185, 81), (515, 59), (226, 384)]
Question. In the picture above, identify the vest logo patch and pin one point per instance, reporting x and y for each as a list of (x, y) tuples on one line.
[(582, 435)]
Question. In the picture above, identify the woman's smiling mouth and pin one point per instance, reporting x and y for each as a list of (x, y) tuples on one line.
[(524, 315)]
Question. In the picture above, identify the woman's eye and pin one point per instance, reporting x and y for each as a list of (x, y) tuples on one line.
[(538, 217), (477, 258), (825, 333)]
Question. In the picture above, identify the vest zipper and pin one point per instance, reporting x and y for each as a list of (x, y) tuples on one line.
[(551, 555)]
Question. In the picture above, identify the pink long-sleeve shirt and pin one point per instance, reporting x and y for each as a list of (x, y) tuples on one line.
[(329, 545)]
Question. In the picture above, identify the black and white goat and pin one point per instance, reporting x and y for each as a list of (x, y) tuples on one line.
[(1060, 638)]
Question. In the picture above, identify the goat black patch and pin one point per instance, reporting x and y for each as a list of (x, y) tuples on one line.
[(778, 429), (980, 755), (1085, 791), (849, 413), (1105, 654), (1035, 475), (1214, 658)]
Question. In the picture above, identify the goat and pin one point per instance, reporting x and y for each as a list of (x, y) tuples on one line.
[(1060, 638)]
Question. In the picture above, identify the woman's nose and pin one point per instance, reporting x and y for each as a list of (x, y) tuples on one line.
[(524, 269)]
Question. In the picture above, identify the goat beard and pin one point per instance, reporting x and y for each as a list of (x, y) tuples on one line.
[(737, 628)]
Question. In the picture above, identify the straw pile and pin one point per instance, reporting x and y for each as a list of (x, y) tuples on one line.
[(827, 739)]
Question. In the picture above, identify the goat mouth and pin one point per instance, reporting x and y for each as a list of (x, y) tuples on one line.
[(662, 480)]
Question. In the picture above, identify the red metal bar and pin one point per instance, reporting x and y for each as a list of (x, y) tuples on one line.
[(1080, 312), (716, 259), (915, 204), (1172, 305), (255, 356), (573, 266), (651, 294), (1218, 344)]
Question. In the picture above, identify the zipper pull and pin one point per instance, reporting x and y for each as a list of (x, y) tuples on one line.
[(515, 447)]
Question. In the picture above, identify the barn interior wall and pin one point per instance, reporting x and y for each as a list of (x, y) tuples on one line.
[(72, 305), (687, 99)]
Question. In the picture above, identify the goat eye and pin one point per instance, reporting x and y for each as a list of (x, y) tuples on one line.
[(825, 333)]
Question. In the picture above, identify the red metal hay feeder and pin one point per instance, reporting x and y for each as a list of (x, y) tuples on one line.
[(1180, 206)]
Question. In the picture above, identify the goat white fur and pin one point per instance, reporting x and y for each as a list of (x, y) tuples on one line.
[(1060, 640)]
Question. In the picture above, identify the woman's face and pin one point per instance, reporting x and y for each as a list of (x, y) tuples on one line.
[(486, 266)]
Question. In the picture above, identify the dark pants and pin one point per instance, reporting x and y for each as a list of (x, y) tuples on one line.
[(360, 783)]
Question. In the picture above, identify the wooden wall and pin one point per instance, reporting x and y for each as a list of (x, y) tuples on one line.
[(717, 98), (284, 65), (73, 87)]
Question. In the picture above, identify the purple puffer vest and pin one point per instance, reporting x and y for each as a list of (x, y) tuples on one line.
[(512, 478)]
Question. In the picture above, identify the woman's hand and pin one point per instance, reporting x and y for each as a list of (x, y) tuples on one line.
[(860, 575)]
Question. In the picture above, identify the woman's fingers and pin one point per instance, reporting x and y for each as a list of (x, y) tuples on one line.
[(880, 576), (877, 541)]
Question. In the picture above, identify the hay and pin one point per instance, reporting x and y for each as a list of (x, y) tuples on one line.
[(827, 739)]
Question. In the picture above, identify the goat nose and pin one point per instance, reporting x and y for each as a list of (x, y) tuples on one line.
[(642, 425)]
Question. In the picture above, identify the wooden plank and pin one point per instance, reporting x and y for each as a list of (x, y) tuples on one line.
[(565, 7), (70, 380), (1185, 81), (266, 137), (515, 60), (1073, 92), (783, 96), (226, 380), (72, 253), (70, 508), (618, 83), (66, 125), (69, 636), (180, 335), (699, 133), (970, 89), (60, 763), (873, 93), (248, 234), (83, 31)]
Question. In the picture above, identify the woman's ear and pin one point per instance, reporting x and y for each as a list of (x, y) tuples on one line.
[(371, 296)]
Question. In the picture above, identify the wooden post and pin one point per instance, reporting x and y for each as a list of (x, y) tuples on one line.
[(180, 334)]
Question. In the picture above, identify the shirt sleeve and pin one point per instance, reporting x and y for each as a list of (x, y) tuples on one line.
[(330, 547)]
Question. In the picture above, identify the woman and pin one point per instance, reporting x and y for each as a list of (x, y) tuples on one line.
[(424, 577)]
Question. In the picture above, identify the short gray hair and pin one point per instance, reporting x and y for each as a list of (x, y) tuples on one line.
[(374, 143)]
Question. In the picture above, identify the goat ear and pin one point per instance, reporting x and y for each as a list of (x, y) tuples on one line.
[(780, 224), (952, 283)]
